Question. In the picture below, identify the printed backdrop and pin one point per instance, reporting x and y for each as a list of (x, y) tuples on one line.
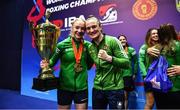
[(129, 17)]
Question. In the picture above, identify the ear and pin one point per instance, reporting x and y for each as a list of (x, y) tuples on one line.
[(71, 33), (100, 27)]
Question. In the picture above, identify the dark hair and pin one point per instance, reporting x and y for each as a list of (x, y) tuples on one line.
[(167, 36), (167, 33), (148, 35), (173, 30), (125, 38)]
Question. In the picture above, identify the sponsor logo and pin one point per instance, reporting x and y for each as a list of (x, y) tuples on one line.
[(144, 9), (119, 105), (108, 14), (178, 5)]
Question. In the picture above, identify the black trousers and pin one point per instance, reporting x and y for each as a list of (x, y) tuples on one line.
[(112, 98), (170, 100)]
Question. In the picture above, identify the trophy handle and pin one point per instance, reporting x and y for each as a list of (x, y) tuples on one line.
[(32, 27)]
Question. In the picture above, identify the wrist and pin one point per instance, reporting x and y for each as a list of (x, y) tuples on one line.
[(109, 58)]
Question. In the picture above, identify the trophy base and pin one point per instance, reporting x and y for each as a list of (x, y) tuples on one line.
[(45, 84)]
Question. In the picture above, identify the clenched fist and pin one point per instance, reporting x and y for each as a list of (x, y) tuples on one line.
[(104, 56)]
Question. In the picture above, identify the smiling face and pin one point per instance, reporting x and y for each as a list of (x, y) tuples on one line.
[(93, 28), (154, 35), (123, 40), (78, 29)]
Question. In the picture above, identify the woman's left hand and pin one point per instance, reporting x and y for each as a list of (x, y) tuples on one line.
[(174, 70)]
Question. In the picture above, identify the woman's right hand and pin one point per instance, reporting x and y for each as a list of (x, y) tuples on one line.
[(44, 63)]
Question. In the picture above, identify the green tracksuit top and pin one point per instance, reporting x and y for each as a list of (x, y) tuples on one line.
[(174, 59), (133, 59), (144, 60), (109, 76), (68, 78)]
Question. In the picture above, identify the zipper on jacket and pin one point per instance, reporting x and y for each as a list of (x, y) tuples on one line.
[(75, 81), (99, 66)]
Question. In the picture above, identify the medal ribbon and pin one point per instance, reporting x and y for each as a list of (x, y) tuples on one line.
[(77, 52)]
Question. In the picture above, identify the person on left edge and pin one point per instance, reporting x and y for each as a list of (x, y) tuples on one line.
[(109, 58), (73, 54), (129, 74)]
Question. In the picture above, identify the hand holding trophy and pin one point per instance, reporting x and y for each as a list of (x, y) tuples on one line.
[(46, 36)]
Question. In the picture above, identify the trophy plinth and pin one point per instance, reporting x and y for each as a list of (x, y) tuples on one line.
[(45, 84), (45, 81), (46, 36)]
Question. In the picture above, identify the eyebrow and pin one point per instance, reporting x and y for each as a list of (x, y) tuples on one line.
[(93, 26)]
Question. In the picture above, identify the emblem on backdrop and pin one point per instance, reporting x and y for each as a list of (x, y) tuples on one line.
[(108, 13), (144, 9)]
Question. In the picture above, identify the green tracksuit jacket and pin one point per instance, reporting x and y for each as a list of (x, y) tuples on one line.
[(68, 78), (174, 59), (133, 59), (109, 76), (144, 60)]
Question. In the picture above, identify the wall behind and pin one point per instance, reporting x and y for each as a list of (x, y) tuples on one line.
[(11, 23)]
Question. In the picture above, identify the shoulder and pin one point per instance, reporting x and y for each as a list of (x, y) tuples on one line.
[(131, 50), (110, 38), (143, 48), (87, 43), (64, 42), (177, 45)]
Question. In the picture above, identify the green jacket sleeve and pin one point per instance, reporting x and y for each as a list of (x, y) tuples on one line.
[(89, 60), (178, 52), (134, 61), (142, 59), (119, 57), (56, 55)]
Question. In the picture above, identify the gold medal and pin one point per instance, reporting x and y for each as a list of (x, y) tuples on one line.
[(78, 68), (77, 54)]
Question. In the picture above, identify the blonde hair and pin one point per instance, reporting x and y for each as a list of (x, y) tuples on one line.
[(93, 17)]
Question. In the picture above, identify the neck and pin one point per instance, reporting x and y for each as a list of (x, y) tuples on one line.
[(98, 39), (76, 39), (125, 48), (153, 43)]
